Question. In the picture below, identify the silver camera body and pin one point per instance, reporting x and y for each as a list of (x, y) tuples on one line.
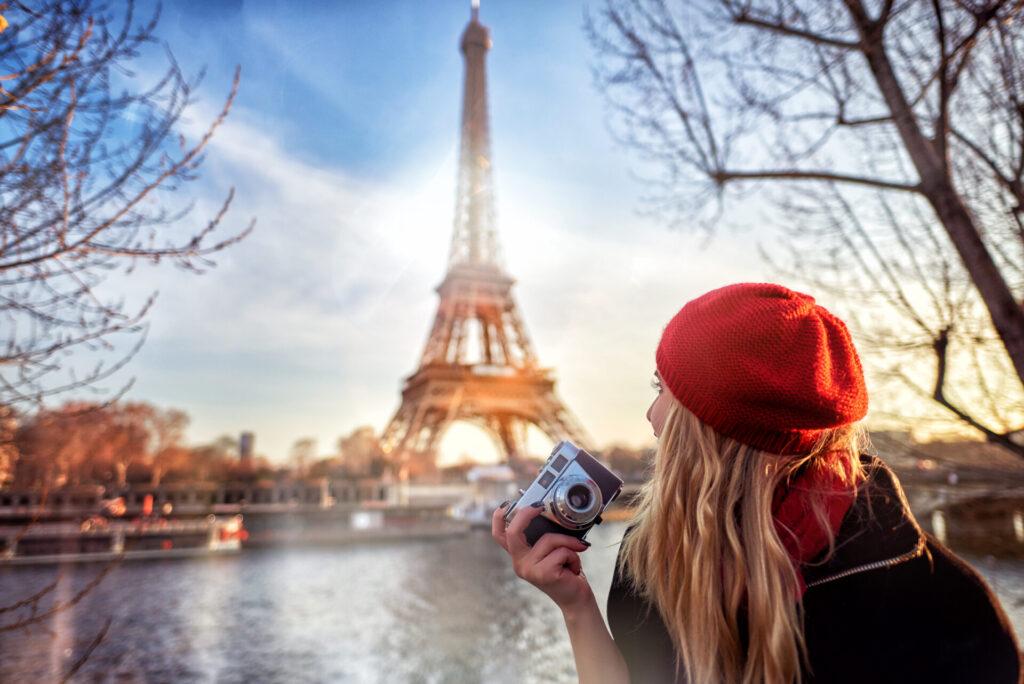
[(574, 489)]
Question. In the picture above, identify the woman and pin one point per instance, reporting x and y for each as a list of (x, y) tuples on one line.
[(766, 547)]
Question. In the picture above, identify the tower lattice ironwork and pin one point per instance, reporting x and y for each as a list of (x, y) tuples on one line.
[(478, 365)]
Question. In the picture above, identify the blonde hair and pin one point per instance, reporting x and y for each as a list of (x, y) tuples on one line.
[(704, 548)]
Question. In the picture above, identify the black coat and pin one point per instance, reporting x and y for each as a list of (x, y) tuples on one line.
[(891, 605)]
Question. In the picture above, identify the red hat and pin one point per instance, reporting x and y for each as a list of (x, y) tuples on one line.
[(764, 365)]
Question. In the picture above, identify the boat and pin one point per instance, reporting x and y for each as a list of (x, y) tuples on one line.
[(139, 521), (489, 486), (198, 518), (102, 539)]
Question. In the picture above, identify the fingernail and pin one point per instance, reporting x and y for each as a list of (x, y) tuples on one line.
[(504, 503), (585, 543), (536, 504)]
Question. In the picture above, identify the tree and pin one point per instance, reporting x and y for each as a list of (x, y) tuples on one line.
[(890, 135), (167, 427), (303, 455), (361, 453), (126, 438), (8, 452), (66, 445), (214, 461), (89, 162), (88, 442), (632, 465)]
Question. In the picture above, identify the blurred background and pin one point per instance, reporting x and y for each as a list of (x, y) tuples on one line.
[(291, 296)]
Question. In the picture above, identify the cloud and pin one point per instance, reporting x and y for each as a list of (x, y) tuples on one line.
[(328, 299)]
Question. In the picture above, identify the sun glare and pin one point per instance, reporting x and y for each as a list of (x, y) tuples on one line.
[(466, 442)]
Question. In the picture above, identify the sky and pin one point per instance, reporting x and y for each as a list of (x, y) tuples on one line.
[(342, 144)]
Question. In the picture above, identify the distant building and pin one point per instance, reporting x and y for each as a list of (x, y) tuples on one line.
[(245, 442)]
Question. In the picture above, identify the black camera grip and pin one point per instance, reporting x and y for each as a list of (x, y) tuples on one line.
[(540, 526)]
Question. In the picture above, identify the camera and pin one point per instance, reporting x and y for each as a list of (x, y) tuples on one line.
[(574, 489)]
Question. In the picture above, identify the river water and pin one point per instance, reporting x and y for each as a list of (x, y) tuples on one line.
[(445, 610)]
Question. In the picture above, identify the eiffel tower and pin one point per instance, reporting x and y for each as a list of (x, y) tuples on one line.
[(501, 388)]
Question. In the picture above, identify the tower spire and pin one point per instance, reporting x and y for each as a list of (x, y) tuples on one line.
[(474, 241)]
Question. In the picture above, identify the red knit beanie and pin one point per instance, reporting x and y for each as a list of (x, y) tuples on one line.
[(763, 365)]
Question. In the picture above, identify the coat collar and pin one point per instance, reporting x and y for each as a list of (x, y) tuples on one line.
[(879, 530)]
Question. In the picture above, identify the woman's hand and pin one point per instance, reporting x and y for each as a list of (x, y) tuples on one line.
[(552, 564)]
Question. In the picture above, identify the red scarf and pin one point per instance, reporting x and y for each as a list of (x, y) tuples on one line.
[(803, 536)]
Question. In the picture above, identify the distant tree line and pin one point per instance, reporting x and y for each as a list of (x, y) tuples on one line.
[(112, 444), (356, 455), (632, 465), (125, 442)]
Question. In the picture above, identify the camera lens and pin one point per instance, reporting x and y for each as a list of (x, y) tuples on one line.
[(579, 497), (575, 501)]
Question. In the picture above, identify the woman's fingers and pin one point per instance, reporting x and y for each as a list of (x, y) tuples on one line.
[(553, 566), (515, 537), (548, 559), (498, 525), (512, 538), (550, 541)]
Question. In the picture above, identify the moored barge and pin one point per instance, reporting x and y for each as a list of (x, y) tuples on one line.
[(99, 539)]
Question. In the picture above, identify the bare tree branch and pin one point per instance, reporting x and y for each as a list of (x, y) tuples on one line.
[(87, 652), (82, 193), (723, 177)]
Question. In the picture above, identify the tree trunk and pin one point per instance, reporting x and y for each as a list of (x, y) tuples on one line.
[(1007, 314)]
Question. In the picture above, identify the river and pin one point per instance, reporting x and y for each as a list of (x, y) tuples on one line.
[(445, 610)]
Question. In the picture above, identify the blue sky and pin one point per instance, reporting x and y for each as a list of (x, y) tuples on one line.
[(342, 144)]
